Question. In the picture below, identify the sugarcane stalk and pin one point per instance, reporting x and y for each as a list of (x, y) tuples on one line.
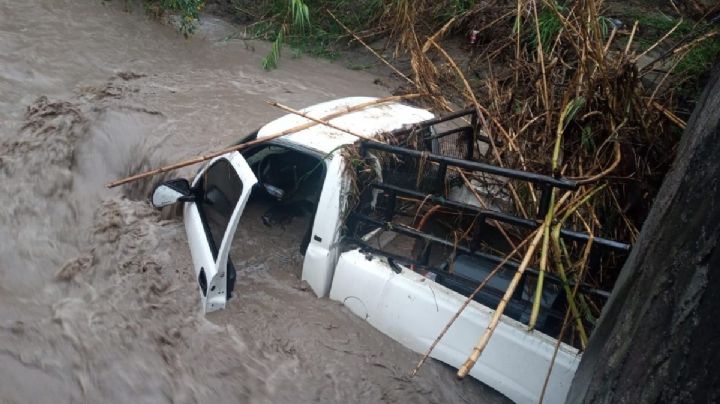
[(557, 346), (465, 304), (569, 111), (554, 355), (485, 338), (543, 263), (558, 251), (571, 300), (583, 267), (377, 55)]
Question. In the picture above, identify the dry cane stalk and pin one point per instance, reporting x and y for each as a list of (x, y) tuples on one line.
[(205, 157), (541, 57), (603, 173), (482, 111), (670, 115), (696, 41), (485, 338), (567, 114), (685, 48), (561, 268), (552, 360), (658, 42), (441, 31), (465, 304), (518, 24), (377, 55)]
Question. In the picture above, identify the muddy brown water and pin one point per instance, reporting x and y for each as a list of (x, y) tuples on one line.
[(97, 298)]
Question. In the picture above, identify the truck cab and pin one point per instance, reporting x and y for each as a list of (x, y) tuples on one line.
[(302, 173)]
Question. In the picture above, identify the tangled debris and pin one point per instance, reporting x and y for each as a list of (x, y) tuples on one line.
[(562, 90)]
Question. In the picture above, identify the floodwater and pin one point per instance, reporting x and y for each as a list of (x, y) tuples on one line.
[(97, 298)]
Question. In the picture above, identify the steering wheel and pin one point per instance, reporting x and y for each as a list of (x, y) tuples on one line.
[(262, 176)]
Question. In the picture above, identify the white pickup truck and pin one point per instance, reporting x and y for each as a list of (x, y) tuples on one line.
[(307, 171)]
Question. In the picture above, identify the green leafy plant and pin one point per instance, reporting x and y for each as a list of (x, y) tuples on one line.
[(270, 61), (296, 18), (189, 11), (549, 25)]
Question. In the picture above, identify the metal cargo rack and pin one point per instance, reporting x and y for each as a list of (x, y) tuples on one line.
[(391, 192)]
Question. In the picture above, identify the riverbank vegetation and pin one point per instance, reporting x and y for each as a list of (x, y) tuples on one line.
[(187, 10), (597, 92)]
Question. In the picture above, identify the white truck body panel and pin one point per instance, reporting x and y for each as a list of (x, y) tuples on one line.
[(413, 310), (322, 252)]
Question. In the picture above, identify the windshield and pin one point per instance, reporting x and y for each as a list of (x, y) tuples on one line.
[(221, 189)]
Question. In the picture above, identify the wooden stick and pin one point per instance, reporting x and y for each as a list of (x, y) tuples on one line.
[(485, 338), (205, 157), (319, 120)]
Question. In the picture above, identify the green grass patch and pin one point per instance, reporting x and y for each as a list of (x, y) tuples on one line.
[(654, 26), (700, 59), (289, 22), (662, 23)]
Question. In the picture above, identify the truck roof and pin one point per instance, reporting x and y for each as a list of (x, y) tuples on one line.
[(370, 122)]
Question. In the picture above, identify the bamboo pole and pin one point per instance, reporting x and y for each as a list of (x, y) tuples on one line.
[(319, 121), (464, 305), (485, 338), (208, 156)]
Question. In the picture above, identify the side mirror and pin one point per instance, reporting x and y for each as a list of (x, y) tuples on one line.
[(170, 192)]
